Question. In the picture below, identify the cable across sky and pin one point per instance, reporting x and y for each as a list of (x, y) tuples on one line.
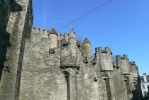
[(85, 14)]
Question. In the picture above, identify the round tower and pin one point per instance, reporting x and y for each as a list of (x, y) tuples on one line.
[(86, 51), (53, 36), (73, 42)]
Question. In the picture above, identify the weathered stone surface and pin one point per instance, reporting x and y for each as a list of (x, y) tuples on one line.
[(123, 62), (42, 77), (16, 27), (38, 64), (86, 51), (105, 59)]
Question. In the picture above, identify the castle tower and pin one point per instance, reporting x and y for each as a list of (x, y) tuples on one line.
[(69, 63), (53, 36), (105, 59), (104, 56), (134, 71), (86, 51), (136, 80), (73, 43), (123, 63), (69, 50)]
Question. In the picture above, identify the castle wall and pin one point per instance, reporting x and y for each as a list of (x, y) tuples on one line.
[(16, 28), (90, 84), (105, 59), (120, 90), (42, 78), (123, 62), (36, 65), (134, 70), (135, 80)]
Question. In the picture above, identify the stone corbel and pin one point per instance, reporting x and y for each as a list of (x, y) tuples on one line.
[(94, 62)]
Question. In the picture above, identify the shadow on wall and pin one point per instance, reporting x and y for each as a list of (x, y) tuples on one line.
[(4, 44), (137, 93), (4, 36), (15, 7)]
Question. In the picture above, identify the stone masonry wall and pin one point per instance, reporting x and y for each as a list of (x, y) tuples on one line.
[(45, 77), (32, 68), (90, 84), (119, 85), (41, 78), (16, 28)]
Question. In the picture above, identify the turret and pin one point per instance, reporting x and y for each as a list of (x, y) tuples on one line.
[(69, 50), (53, 38), (123, 64), (69, 63), (73, 42), (86, 51), (97, 55), (134, 70), (104, 57)]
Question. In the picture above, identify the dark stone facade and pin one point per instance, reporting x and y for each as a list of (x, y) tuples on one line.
[(36, 65)]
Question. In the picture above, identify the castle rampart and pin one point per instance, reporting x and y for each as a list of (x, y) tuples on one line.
[(40, 64)]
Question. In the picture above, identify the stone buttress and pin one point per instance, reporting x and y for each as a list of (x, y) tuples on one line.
[(69, 63), (106, 65), (18, 27)]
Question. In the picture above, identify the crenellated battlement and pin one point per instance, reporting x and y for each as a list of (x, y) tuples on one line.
[(103, 50), (123, 63), (43, 64), (40, 30), (134, 69), (124, 56), (104, 57), (70, 52), (132, 62), (76, 57)]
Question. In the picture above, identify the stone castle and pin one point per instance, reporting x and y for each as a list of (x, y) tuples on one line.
[(38, 64)]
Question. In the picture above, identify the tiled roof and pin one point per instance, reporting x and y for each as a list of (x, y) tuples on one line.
[(53, 31), (86, 40)]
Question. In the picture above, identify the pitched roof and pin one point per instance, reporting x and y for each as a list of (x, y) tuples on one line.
[(53, 31), (86, 40)]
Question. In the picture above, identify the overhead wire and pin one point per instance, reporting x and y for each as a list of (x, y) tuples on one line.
[(85, 14)]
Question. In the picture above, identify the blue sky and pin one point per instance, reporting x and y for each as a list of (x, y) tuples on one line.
[(122, 25)]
